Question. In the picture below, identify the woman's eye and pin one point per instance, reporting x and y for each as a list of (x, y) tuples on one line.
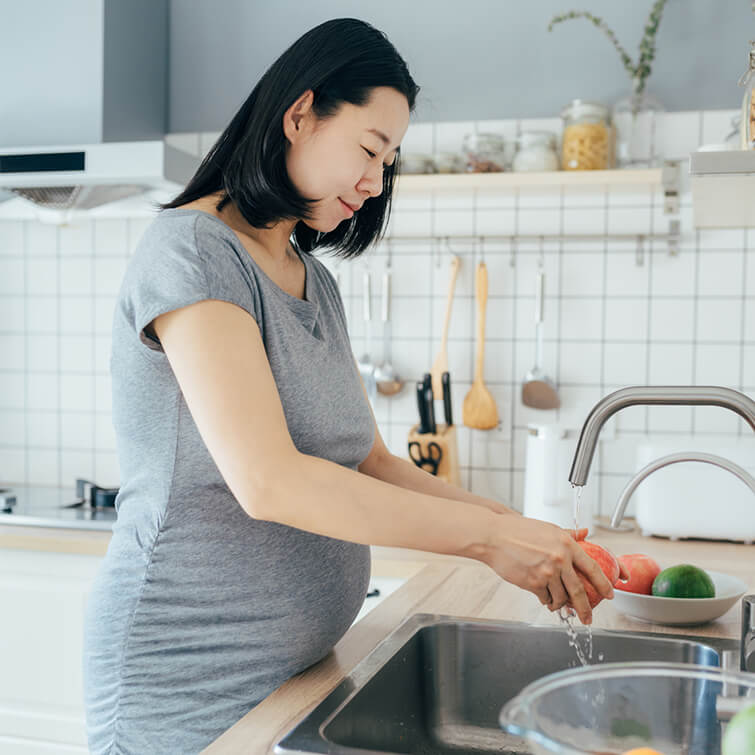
[(371, 154)]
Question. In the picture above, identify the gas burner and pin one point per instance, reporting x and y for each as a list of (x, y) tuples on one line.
[(87, 506), (7, 500)]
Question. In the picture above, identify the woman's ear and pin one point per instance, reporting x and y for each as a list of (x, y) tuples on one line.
[(297, 115)]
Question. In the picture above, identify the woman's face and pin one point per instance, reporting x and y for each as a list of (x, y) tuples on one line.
[(341, 160)]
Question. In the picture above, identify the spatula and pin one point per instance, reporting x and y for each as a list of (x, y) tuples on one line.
[(479, 410), (441, 360)]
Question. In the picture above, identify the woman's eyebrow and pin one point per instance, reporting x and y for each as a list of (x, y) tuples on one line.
[(381, 136)]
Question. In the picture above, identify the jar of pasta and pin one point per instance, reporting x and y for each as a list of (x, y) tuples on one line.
[(588, 138)]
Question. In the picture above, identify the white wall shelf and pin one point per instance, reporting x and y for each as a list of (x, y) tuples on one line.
[(448, 182)]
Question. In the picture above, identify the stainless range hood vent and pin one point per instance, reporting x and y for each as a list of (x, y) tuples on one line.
[(99, 138), (77, 197)]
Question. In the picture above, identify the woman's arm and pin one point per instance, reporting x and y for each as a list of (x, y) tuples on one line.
[(397, 471), (215, 349)]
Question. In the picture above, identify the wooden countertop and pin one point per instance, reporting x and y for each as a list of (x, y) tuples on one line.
[(465, 588), (435, 584)]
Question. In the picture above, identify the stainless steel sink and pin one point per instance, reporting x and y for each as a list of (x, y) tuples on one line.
[(437, 684)]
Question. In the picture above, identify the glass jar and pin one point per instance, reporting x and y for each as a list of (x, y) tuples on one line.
[(747, 123), (588, 140), (449, 162), (484, 153), (535, 150)]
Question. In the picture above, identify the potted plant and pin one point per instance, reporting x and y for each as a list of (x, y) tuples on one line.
[(634, 115)]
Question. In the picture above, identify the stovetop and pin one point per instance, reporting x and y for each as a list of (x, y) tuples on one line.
[(71, 507)]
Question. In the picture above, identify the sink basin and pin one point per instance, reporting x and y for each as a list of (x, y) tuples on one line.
[(437, 684)]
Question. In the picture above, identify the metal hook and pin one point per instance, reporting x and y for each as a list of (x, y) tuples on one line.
[(512, 258), (541, 258), (482, 249), (640, 253)]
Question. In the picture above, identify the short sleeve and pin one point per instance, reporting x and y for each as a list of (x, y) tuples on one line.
[(180, 261)]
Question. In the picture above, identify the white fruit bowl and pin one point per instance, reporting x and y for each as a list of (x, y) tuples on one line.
[(682, 612)]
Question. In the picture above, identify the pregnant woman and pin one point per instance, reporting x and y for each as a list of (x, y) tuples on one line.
[(253, 475)]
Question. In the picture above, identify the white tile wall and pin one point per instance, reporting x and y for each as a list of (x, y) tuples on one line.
[(609, 321)]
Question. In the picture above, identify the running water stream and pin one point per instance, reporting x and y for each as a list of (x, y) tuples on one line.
[(568, 616)]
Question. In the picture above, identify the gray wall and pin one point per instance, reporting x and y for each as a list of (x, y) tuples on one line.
[(475, 60)]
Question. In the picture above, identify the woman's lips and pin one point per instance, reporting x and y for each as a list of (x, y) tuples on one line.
[(346, 207)]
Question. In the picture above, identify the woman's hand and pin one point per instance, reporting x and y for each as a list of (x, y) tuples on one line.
[(545, 559)]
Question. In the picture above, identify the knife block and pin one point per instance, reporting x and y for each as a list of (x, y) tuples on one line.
[(445, 437)]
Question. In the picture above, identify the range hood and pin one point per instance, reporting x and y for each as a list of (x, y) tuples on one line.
[(83, 123), (84, 176)]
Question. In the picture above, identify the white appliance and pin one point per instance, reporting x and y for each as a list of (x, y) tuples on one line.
[(83, 121), (548, 494), (695, 499)]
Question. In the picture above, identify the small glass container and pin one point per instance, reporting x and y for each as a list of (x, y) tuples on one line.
[(587, 141), (417, 162), (484, 153), (535, 151), (747, 123), (449, 162)]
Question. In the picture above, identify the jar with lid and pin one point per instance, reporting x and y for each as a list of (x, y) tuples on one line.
[(588, 139), (484, 153), (747, 123), (535, 150)]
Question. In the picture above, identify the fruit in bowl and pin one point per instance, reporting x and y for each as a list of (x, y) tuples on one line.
[(683, 581), (642, 571), (739, 737)]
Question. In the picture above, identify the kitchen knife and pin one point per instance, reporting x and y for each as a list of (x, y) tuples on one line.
[(446, 381), (430, 408), (427, 379), (422, 407)]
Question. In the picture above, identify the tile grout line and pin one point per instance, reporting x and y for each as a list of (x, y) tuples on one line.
[(743, 323), (59, 365)]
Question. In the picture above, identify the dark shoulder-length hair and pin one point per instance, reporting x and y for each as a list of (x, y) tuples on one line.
[(341, 60)]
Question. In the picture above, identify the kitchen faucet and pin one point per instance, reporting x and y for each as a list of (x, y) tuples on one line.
[(712, 395), (748, 633), (687, 395)]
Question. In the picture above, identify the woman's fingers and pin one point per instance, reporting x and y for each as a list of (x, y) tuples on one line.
[(543, 596), (577, 595), (589, 567), (558, 593)]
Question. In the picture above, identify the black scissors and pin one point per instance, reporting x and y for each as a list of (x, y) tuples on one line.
[(431, 461)]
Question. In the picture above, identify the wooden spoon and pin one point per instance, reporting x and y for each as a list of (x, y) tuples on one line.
[(441, 361), (479, 410)]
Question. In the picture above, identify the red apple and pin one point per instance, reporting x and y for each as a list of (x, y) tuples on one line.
[(642, 572), (606, 561)]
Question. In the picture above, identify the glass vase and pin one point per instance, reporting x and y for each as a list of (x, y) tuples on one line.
[(634, 120)]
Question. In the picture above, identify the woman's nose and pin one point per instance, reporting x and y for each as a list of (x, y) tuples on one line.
[(372, 181)]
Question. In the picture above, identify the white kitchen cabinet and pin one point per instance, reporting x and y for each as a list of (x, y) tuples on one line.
[(43, 596)]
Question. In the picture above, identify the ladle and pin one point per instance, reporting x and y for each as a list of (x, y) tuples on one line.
[(386, 378), (365, 364)]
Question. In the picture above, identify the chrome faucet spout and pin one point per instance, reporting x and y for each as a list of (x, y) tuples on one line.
[(748, 633), (664, 461), (686, 395)]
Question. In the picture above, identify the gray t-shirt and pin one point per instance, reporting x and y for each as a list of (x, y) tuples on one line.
[(199, 611)]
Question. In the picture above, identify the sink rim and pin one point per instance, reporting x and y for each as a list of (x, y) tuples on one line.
[(350, 685)]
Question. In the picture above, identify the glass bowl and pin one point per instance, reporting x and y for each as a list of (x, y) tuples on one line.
[(674, 708)]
